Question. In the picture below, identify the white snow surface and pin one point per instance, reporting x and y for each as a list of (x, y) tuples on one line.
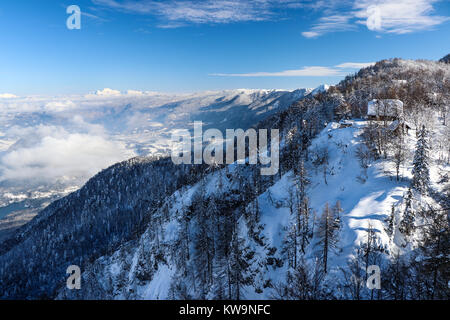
[(365, 199)]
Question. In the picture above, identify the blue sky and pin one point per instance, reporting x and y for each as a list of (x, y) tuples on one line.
[(184, 46)]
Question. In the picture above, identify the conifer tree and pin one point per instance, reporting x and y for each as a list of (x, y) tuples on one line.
[(395, 278), (353, 283), (407, 223), (435, 248), (290, 246), (218, 287), (371, 248), (204, 240), (337, 211), (399, 151), (303, 210), (421, 174), (238, 266), (390, 220), (327, 234)]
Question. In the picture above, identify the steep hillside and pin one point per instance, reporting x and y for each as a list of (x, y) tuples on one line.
[(262, 232), (349, 194), (111, 208)]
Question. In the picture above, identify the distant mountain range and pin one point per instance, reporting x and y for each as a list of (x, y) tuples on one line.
[(50, 146)]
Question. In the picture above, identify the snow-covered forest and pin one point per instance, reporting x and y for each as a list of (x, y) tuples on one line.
[(351, 193)]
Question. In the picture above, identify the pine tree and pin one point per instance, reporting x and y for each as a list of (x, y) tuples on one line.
[(421, 174), (203, 241), (303, 283), (252, 211), (398, 146), (390, 220), (353, 283), (290, 246), (293, 149), (215, 224), (327, 233), (435, 248), (238, 266), (371, 248), (218, 288), (299, 231), (290, 243), (407, 223), (303, 211), (395, 278), (337, 211)]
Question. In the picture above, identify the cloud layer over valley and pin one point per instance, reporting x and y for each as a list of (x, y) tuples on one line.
[(68, 139)]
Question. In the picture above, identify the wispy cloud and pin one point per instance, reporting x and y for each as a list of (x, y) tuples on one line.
[(93, 16), (304, 72), (330, 24), (314, 71), (388, 16), (176, 13), (398, 16)]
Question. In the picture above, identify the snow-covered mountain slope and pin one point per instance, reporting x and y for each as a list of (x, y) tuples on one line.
[(366, 200), (350, 194)]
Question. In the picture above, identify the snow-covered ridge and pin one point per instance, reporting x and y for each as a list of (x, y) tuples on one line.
[(366, 198)]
